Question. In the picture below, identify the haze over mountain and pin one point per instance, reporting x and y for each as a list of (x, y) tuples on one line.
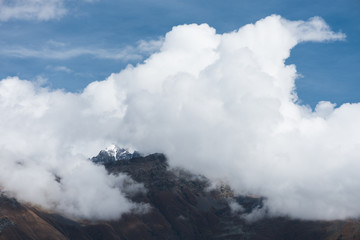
[(223, 105)]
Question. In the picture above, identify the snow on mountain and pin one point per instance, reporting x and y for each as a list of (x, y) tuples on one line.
[(114, 153), (112, 150)]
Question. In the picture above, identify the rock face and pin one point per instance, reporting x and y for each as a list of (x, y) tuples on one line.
[(182, 207)]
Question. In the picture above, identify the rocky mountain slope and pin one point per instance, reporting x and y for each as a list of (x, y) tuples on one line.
[(182, 207)]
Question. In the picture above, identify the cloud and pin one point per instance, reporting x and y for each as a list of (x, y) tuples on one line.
[(149, 46), (60, 68), (58, 50), (48, 53), (43, 160), (31, 9), (223, 105)]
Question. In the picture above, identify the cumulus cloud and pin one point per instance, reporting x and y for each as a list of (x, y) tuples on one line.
[(45, 135), (31, 9), (223, 105)]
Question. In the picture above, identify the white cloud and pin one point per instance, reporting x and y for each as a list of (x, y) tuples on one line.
[(58, 50), (256, 214), (236, 207), (48, 53), (46, 137), (60, 68), (31, 9), (149, 46), (218, 104)]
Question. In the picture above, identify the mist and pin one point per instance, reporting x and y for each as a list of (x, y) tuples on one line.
[(222, 105)]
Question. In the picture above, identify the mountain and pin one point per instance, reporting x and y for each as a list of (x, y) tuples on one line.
[(183, 206), (114, 153)]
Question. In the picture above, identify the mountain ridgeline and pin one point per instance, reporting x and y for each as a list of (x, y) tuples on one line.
[(114, 153), (182, 206)]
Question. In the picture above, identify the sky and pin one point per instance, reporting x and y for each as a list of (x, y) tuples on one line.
[(81, 41), (261, 95)]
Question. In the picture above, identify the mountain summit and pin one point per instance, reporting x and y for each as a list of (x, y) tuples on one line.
[(114, 153)]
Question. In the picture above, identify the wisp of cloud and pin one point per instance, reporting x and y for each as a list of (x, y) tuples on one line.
[(223, 105), (31, 9)]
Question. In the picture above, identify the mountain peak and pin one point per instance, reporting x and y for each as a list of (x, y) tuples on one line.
[(114, 153), (112, 150)]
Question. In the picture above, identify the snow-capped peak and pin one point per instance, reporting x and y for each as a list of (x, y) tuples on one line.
[(114, 153), (112, 150)]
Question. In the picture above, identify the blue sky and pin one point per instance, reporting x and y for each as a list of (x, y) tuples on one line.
[(84, 41)]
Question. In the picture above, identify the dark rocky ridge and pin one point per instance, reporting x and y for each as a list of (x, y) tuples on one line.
[(181, 208)]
